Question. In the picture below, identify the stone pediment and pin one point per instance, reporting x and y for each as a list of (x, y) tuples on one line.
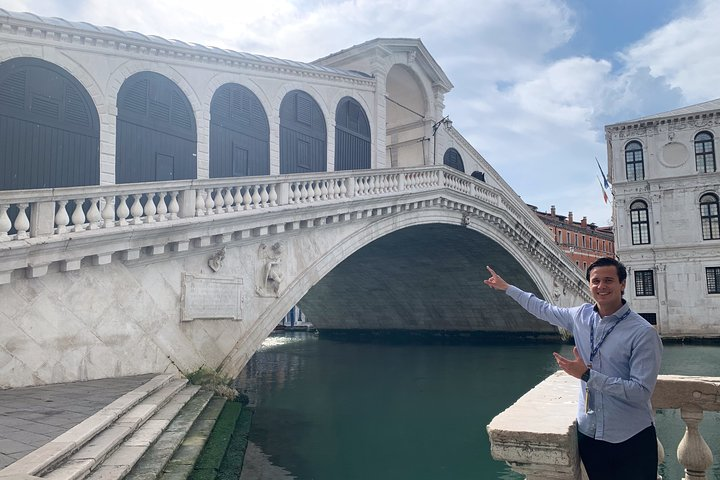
[(368, 56)]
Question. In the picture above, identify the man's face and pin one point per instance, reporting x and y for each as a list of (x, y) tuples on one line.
[(606, 288)]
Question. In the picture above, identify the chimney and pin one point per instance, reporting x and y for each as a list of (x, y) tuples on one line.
[(552, 210), (583, 222), (570, 220)]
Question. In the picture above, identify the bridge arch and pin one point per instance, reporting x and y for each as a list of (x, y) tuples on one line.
[(516, 263)]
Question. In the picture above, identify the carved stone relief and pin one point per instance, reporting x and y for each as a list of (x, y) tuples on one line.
[(271, 273)]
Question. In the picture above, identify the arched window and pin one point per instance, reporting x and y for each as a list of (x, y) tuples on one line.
[(49, 128), (704, 152), (479, 175), (640, 223), (710, 216), (634, 167), (303, 136), (453, 159), (239, 133), (156, 135), (352, 136)]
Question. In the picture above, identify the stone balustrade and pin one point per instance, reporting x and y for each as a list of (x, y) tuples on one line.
[(537, 435), (67, 226)]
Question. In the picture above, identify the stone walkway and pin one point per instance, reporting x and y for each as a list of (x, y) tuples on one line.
[(30, 417)]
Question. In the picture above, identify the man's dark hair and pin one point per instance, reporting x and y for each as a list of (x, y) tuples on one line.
[(606, 262)]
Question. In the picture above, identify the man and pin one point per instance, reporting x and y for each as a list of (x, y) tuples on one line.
[(617, 358)]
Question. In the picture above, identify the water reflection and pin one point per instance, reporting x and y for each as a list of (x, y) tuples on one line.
[(358, 409)]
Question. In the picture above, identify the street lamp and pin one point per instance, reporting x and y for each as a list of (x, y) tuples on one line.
[(448, 124)]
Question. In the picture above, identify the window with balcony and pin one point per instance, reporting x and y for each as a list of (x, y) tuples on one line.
[(710, 216), (634, 167), (704, 152), (644, 283), (639, 223)]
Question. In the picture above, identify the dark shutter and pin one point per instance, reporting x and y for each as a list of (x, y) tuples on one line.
[(49, 128), (239, 134), (453, 159), (156, 134), (352, 136), (303, 136)]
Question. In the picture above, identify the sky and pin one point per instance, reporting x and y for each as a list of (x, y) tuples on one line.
[(535, 81)]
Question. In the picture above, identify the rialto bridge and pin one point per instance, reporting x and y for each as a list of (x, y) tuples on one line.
[(163, 205)]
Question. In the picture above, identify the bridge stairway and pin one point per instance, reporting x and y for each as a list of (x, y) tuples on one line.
[(135, 437)]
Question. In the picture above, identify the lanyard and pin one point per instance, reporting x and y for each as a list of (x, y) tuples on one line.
[(594, 348)]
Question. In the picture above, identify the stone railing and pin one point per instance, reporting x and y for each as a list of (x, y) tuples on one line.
[(537, 436)]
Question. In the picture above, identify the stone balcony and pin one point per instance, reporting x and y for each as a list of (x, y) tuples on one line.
[(537, 436)]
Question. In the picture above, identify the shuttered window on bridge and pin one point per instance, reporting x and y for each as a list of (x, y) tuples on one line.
[(239, 133), (352, 136), (49, 128), (156, 134), (303, 136), (453, 159)]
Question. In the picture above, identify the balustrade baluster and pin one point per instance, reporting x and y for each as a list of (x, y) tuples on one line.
[(199, 203), (273, 195), (303, 192), (333, 188), (108, 212), (256, 196), (219, 201), (5, 223), (693, 453), (93, 215), (247, 198), (136, 210), (264, 196), (122, 211), (209, 203), (78, 216), (228, 200), (149, 210), (174, 207), (162, 208), (343, 187), (318, 190), (61, 216), (238, 198), (323, 190)]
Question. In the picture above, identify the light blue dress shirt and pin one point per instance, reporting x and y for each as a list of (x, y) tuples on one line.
[(624, 369)]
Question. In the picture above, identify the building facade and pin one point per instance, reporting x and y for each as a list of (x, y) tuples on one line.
[(666, 189), (581, 241)]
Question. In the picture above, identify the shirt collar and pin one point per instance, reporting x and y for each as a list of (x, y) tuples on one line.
[(619, 313)]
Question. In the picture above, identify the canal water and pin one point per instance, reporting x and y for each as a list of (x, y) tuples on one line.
[(410, 407)]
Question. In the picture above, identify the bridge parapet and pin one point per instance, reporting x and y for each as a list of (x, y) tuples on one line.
[(537, 436), (66, 225)]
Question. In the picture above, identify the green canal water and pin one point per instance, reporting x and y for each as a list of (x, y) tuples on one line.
[(394, 408)]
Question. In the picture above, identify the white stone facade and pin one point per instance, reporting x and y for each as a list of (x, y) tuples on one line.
[(669, 252)]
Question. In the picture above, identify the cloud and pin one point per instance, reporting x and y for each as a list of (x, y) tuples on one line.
[(683, 52)]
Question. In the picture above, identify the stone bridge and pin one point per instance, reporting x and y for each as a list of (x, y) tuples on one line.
[(164, 204), (178, 275)]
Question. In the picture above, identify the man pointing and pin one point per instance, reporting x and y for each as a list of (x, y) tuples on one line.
[(617, 357)]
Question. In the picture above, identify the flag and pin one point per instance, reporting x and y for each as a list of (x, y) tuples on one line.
[(605, 180), (605, 196)]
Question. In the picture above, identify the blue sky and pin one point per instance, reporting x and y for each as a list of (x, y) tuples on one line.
[(535, 81)]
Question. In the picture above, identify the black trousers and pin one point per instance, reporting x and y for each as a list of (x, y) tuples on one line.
[(634, 459)]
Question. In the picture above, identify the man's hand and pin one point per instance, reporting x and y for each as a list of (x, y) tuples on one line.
[(574, 368), (495, 281)]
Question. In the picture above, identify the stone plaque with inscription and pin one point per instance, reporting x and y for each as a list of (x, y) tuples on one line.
[(211, 297)]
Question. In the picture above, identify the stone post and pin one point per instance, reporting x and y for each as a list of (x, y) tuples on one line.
[(42, 219), (537, 436), (186, 202)]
